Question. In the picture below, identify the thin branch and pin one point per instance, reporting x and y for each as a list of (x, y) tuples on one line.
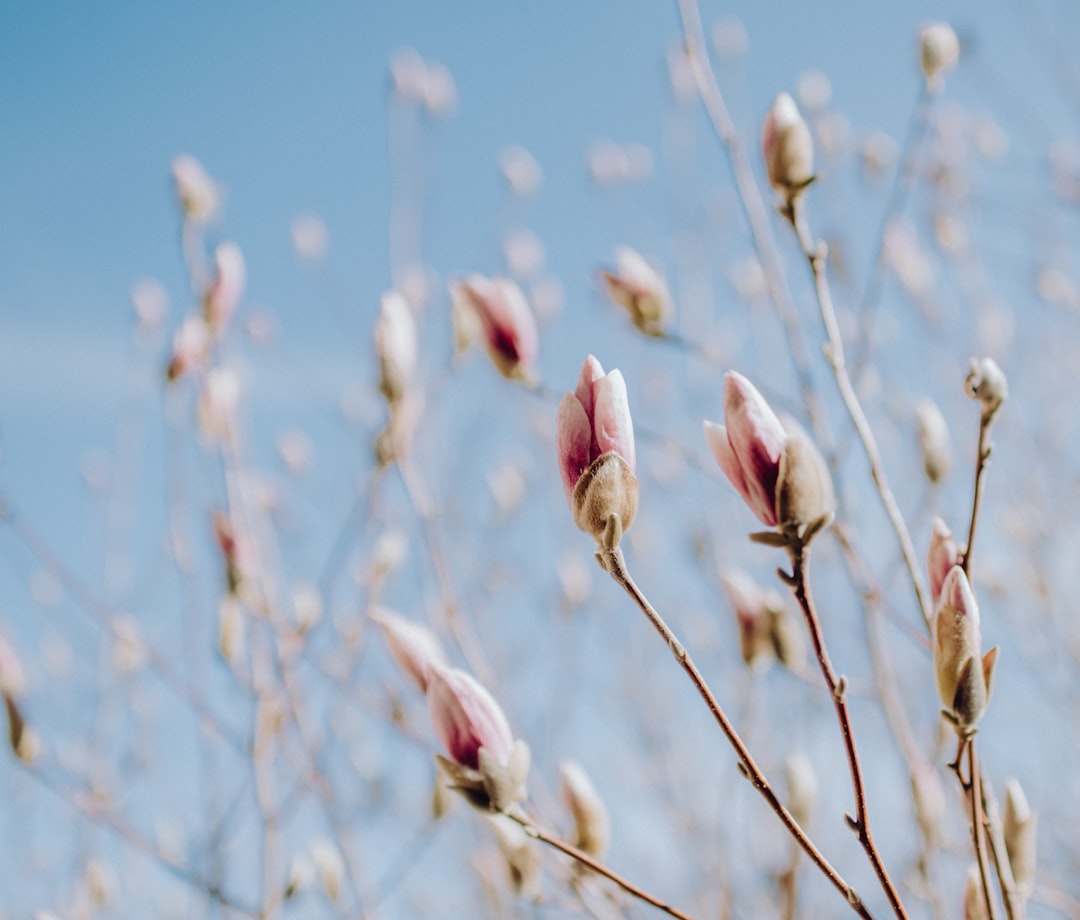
[(613, 562), (837, 686), (986, 421)]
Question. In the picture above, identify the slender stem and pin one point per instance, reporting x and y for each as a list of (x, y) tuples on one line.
[(800, 558), (834, 351), (585, 859), (613, 562), (1014, 904), (986, 420)]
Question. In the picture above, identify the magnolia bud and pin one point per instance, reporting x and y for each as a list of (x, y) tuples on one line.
[(592, 827), (522, 860), (330, 866), (941, 557), (639, 289), (802, 786), (748, 601), (415, 648), (788, 148), (986, 382), (1020, 827), (395, 346), (804, 491), (191, 347), (974, 902), (227, 288), (939, 51), (504, 317), (195, 189), (933, 441)]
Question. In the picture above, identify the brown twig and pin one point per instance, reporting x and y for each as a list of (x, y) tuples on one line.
[(837, 686), (615, 565), (585, 859)]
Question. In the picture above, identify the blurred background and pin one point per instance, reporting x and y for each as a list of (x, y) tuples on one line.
[(358, 149)]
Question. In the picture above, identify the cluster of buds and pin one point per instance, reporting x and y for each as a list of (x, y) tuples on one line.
[(963, 673), (484, 762), (939, 50), (788, 149), (639, 289), (766, 630), (595, 446), (777, 470), (498, 310)]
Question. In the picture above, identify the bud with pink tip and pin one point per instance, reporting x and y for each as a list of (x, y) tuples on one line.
[(788, 149), (191, 347), (415, 648), (943, 554), (779, 473), (226, 289), (594, 441), (639, 289), (939, 51), (196, 191), (395, 346), (963, 673), (592, 827), (485, 763), (507, 323)]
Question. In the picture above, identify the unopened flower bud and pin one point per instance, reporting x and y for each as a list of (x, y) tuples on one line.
[(986, 382), (939, 51), (594, 441), (522, 860), (225, 291), (592, 827), (415, 648), (196, 191), (640, 290), (191, 347), (216, 408), (1020, 831), (506, 321), (748, 601), (943, 554), (330, 866), (788, 148), (933, 440), (974, 902), (395, 346), (802, 783), (963, 673), (12, 677)]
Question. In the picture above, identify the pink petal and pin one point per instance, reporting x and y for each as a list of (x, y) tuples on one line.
[(573, 439), (717, 438), (466, 718), (591, 372), (941, 557), (415, 648), (612, 424), (757, 439)]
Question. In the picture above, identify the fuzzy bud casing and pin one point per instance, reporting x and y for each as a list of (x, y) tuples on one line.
[(933, 441), (788, 148), (939, 50), (987, 383), (1020, 826), (592, 827)]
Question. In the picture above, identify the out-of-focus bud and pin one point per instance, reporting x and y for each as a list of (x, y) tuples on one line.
[(929, 796), (785, 632), (216, 408), (933, 440), (225, 291), (330, 865), (232, 631), (986, 382), (301, 875), (521, 857), (309, 237), (415, 648), (12, 676), (752, 614), (485, 764), (395, 346), (974, 902), (640, 290), (12, 682), (236, 552), (521, 171), (802, 783), (941, 557), (780, 474), (939, 51), (506, 321), (191, 347), (592, 827), (788, 149), (196, 191), (594, 441), (129, 648), (100, 882), (1020, 826), (440, 91), (963, 673), (408, 73), (151, 303)]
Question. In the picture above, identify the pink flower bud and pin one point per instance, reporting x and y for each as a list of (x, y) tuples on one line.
[(963, 677), (752, 614), (395, 345), (594, 441), (639, 289), (466, 718), (191, 347), (195, 189), (227, 287), (507, 323), (788, 148), (415, 648), (941, 557)]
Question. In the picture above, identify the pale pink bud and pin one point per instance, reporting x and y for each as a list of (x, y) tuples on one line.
[(466, 718), (415, 648), (639, 289), (788, 148), (191, 347), (594, 442), (963, 675), (196, 191), (752, 614), (592, 827), (939, 51), (506, 321), (395, 345), (227, 288), (521, 171), (943, 554), (933, 440)]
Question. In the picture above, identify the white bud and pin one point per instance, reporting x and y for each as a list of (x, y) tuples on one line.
[(330, 866), (933, 440), (987, 383), (592, 827), (974, 902), (1020, 831), (802, 785), (940, 50)]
